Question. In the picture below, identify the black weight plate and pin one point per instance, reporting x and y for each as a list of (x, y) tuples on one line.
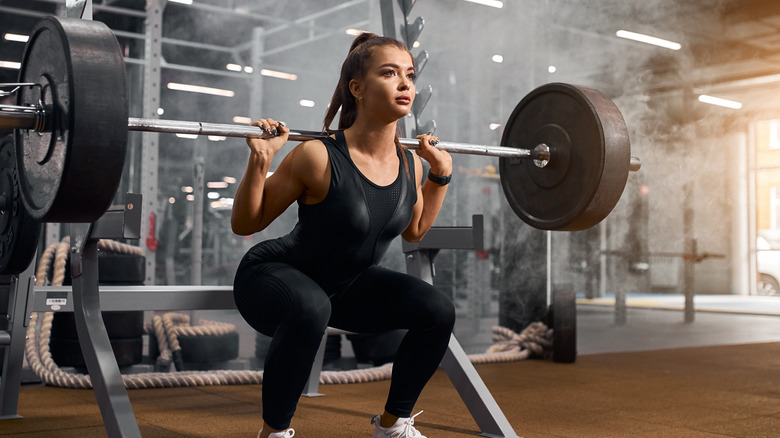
[(71, 173), (67, 352), (590, 155), (209, 348), (564, 316), (18, 230)]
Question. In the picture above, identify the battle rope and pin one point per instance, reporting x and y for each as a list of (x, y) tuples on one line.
[(535, 340)]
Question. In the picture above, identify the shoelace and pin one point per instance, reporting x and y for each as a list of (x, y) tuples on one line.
[(289, 433), (409, 429)]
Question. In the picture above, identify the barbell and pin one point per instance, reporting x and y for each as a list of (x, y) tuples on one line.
[(563, 164)]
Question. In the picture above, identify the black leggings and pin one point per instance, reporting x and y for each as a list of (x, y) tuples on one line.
[(280, 301)]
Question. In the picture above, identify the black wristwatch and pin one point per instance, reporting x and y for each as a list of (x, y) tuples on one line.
[(438, 179)]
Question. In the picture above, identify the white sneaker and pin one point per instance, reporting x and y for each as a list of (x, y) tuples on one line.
[(289, 433), (403, 428)]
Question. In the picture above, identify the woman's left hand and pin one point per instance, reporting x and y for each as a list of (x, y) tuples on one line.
[(440, 160)]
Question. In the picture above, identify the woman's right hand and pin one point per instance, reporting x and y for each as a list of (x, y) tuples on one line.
[(268, 146)]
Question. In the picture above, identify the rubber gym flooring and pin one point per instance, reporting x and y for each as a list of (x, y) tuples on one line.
[(655, 376)]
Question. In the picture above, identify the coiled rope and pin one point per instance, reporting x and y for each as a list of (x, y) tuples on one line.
[(534, 341)]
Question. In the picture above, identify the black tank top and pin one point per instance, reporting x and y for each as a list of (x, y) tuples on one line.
[(348, 231)]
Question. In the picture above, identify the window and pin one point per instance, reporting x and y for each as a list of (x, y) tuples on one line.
[(774, 210), (774, 134)]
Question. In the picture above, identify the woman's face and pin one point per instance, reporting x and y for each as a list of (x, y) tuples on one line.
[(387, 89)]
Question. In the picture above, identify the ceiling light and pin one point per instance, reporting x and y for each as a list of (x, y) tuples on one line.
[(171, 200), (213, 195), (17, 37), (242, 119), (552, 69), (494, 126), (11, 65), (248, 69), (498, 58), (200, 89), (217, 184), (278, 74), (187, 189), (648, 39), (184, 2), (229, 180), (190, 197), (233, 67), (491, 3), (416, 44), (187, 136), (355, 32), (306, 103), (720, 102), (160, 111), (216, 138)]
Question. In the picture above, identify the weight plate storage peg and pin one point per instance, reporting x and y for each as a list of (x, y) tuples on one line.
[(589, 157), (18, 230), (70, 172)]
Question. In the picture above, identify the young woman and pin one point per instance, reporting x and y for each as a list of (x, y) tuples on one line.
[(356, 191)]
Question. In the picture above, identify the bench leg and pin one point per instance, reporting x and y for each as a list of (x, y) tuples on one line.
[(483, 407), (11, 372), (115, 407), (313, 385)]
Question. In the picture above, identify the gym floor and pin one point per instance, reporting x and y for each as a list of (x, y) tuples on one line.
[(653, 376)]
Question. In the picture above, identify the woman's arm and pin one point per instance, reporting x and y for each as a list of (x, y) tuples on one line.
[(430, 195), (260, 199)]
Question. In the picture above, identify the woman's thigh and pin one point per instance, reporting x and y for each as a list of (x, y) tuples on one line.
[(382, 299), (270, 293)]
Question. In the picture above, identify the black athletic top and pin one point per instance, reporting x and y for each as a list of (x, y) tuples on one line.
[(348, 231)]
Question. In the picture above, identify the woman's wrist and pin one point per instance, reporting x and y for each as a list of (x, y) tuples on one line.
[(441, 180)]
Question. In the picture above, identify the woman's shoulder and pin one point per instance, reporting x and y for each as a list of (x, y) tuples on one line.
[(309, 156)]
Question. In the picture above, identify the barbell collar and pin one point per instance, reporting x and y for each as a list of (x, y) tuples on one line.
[(23, 117)]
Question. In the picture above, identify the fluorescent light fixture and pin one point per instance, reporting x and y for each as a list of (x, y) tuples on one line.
[(17, 37), (494, 126), (233, 67), (552, 69), (720, 102), (498, 59), (216, 138), (187, 189), (648, 39), (278, 74), (491, 3), (222, 203), (229, 180), (200, 89), (187, 136), (242, 119), (217, 184), (184, 2), (10, 64), (355, 32), (307, 103)]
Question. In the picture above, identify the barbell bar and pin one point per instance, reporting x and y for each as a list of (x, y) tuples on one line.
[(35, 117), (563, 166)]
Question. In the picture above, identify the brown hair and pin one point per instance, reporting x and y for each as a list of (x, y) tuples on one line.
[(355, 66)]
